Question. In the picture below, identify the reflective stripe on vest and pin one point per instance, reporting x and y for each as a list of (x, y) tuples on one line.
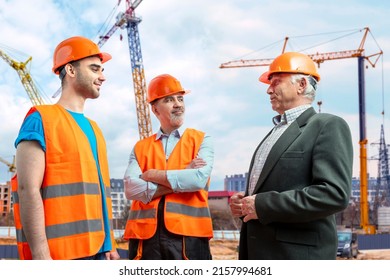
[(185, 213), (142, 214), (66, 229), (187, 210), (70, 189)]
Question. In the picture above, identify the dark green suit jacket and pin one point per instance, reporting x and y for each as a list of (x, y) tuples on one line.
[(306, 179)]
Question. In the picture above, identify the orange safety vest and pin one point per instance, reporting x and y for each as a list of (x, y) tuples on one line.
[(185, 213), (70, 190)]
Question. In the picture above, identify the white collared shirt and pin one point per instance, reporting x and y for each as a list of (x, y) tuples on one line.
[(282, 122), (183, 180)]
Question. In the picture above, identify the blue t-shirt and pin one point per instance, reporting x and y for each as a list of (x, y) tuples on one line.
[(32, 130)]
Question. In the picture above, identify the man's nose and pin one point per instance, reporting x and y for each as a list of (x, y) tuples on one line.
[(177, 102), (102, 77)]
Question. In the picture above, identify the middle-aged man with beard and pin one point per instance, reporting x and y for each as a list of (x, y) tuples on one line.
[(167, 180)]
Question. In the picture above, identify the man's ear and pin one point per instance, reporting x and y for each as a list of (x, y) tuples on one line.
[(70, 69), (154, 109), (302, 85)]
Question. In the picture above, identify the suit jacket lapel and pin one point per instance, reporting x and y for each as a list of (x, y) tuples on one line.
[(253, 160), (287, 138)]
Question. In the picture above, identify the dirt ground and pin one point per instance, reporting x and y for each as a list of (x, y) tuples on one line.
[(227, 250), (374, 255), (220, 249), (224, 249), (7, 241)]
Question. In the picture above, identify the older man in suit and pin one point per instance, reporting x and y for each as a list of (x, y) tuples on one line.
[(300, 174)]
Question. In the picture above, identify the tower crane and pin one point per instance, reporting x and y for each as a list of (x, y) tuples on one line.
[(319, 58), (25, 78), (11, 166), (28, 84), (129, 21)]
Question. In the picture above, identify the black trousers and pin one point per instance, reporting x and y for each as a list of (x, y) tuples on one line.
[(164, 245)]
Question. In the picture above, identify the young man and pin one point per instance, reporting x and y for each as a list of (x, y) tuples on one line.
[(62, 193), (167, 180)]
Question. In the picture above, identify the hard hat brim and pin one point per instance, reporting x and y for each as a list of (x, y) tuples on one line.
[(264, 78), (291, 63), (105, 57), (182, 92)]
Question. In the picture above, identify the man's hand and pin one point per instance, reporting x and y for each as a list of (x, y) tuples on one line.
[(156, 176), (150, 175), (196, 163), (236, 204), (248, 208), (112, 255)]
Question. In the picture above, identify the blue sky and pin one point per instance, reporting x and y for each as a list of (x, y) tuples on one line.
[(190, 39)]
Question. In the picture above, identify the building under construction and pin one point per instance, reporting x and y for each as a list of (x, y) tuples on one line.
[(5, 199)]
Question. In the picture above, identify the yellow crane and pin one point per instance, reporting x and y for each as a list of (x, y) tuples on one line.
[(25, 78), (359, 53), (29, 86), (11, 166)]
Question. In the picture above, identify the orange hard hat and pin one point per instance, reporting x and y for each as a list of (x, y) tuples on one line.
[(76, 48), (291, 62), (164, 85)]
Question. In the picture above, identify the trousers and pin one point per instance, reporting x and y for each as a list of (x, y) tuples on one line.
[(164, 245)]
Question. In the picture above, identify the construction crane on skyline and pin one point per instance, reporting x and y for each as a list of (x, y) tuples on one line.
[(11, 166), (130, 21), (25, 77), (319, 58), (30, 87)]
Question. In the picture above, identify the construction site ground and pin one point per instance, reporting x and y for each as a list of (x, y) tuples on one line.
[(227, 250)]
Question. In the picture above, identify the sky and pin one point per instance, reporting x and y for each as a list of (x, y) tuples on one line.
[(190, 40)]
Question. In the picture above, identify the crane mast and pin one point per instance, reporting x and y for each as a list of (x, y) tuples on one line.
[(129, 21), (320, 58), (25, 78)]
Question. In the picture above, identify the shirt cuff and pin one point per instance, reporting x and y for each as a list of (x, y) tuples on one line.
[(172, 179)]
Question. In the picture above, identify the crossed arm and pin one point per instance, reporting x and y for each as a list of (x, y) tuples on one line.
[(153, 183)]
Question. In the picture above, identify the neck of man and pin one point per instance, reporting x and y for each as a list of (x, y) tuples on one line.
[(168, 130), (72, 103)]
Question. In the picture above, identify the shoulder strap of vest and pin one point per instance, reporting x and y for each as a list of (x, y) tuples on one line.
[(32, 110)]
